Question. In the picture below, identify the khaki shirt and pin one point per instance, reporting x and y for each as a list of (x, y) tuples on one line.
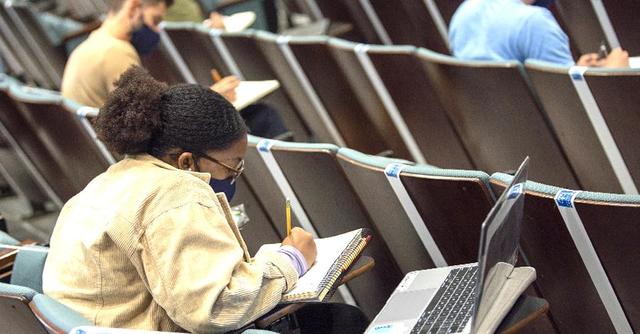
[(148, 246), (94, 66)]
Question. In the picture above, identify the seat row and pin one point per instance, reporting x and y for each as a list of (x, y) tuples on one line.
[(55, 149), (424, 23), (429, 107), (422, 216), (425, 217)]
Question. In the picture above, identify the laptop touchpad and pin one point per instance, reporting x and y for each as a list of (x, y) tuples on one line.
[(406, 305)]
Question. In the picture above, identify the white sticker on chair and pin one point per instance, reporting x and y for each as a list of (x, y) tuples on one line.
[(620, 169), (565, 202), (392, 172)]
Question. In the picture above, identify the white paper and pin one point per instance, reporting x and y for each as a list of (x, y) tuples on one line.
[(249, 92)]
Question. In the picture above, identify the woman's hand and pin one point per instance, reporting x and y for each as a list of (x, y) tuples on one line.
[(303, 241), (227, 87)]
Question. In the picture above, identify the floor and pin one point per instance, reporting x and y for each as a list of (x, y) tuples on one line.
[(22, 224)]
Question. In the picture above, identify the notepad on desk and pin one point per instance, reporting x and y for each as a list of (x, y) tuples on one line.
[(335, 256), (249, 92)]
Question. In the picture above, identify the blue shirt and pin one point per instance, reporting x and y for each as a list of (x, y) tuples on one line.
[(507, 30)]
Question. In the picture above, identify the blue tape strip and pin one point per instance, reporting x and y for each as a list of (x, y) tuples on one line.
[(564, 198)]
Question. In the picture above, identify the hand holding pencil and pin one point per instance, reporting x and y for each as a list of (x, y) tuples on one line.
[(299, 238)]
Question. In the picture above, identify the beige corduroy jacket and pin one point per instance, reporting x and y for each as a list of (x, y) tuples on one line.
[(148, 246)]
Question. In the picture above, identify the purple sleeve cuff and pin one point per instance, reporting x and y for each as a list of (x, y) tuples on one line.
[(297, 259)]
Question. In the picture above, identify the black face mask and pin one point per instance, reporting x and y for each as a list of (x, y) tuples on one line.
[(145, 40), (224, 186), (543, 3)]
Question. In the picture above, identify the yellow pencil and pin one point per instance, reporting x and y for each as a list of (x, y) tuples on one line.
[(288, 214), (215, 75)]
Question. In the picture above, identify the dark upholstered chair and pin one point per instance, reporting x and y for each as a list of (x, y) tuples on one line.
[(569, 118), (254, 66), (54, 120), (332, 207), (497, 116), (613, 91), (425, 116), (625, 23), (451, 203), (277, 53), (610, 222)]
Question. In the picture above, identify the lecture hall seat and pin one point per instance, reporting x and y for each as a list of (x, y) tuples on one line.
[(47, 174), (615, 92), (610, 222), (332, 86), (51, 59), (624, 19), (451, 203), (497, 116), (54, 120), (569, 118), (424, 114), (277, 53), (331, 205), (253, 66)]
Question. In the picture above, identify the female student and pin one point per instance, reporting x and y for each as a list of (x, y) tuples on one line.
[(148, 244)]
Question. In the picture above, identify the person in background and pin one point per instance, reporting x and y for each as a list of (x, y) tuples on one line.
[(190, 11), (149, 244), (517, 30), (129, 32)]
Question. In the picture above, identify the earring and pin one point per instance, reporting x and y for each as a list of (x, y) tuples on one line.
[(189, 169)]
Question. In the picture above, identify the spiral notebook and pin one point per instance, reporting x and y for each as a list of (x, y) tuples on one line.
[(335, 256)]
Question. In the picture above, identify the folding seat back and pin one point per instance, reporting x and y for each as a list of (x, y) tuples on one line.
[(10, 59), (425, 18), (51, 59), (15, 314), (577, 243), (253, 66), (164, 65), (33, 152), (306, 101), (323, 201), (497, 116), (332, 86), (447, 8), (570, 119), (195, 44), (365, 84), (397, 22), (54, 120), (613, 92), (433, 220), (15, 42), (625, 24), (332, 206), (423, 113), (351, 12), (582, 24)]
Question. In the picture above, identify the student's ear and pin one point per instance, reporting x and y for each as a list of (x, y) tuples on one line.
[(186, 161)]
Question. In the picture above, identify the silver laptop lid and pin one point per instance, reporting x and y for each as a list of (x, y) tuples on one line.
[(499, 242)]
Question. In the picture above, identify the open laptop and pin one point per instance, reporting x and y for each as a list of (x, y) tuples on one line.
[(449, 299)]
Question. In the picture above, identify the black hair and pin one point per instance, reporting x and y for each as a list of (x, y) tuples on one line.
[(143, 115)]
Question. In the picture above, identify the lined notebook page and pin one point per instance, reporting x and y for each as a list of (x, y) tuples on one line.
[(329, 250)]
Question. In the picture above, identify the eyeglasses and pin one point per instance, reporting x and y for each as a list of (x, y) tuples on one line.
[(237, 170)]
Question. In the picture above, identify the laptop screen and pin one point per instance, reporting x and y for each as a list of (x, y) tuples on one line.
[(499, 242)]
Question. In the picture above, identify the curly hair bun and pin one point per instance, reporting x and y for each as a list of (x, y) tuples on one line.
[(131, 115)]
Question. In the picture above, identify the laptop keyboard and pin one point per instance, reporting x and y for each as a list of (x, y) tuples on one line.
[(451, 307)]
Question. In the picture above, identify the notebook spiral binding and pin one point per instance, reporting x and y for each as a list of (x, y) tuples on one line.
[(346, 259)]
